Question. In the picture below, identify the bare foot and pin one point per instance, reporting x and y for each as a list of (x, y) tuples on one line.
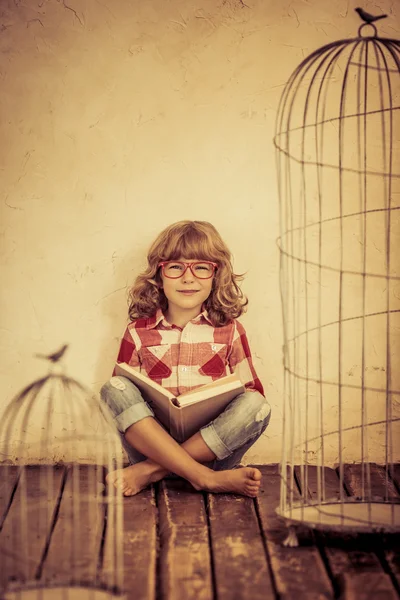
[(135, 478), (245, 481)]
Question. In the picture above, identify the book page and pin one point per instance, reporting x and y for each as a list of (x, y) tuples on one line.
[(187, 420), (159, 399), (214, 384), (127, 371), (186, 414), (211, 390)]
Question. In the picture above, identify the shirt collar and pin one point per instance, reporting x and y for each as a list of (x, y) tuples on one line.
[(153, 321), (158, 317)]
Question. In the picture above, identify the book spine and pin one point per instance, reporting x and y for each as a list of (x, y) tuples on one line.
[(177, 427)]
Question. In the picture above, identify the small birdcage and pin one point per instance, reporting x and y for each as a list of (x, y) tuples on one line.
[(61, 526), (337, 145)]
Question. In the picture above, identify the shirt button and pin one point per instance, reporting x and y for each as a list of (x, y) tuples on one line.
[(184, 368), (213, 347)]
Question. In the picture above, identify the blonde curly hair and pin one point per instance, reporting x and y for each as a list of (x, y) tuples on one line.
[(189, 239)]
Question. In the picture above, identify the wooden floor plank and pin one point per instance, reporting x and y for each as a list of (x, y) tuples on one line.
[(326, 479), (185, 561), (368, 586), (392, 557), (241, 568), (351, 560), (394, 471), (381, 486), (74, 549), (28, 522), (380, 489), (346, 559), (139, 545), (292, 567), (238, 555), (8, 482)]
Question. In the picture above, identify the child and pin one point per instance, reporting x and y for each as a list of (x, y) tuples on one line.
[(183, 333)]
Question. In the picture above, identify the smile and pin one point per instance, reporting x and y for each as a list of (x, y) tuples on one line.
[(188, 292)]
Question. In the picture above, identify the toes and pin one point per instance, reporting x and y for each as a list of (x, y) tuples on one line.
[(115, 479), (122, 481), (255, 474), (253, 483), (119, 483), (252, 486)]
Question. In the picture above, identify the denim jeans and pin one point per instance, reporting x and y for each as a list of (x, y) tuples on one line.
[(228, 436)]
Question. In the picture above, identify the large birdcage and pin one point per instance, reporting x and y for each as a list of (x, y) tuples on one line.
[(60, 524), (337, 145)]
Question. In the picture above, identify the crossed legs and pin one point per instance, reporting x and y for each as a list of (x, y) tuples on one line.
[(166, 455), (155, 453)]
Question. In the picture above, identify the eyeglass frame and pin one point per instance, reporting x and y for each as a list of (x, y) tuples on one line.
[(188, 266)]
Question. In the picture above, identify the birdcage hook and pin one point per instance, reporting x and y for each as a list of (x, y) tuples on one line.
[(368, 26)]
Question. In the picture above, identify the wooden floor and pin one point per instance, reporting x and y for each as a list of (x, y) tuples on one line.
[(183, 544)]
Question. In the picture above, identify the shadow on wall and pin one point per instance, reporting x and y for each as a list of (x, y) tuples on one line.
[(114, 311)]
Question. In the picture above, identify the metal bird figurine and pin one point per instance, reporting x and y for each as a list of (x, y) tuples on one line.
[(55, 357), (367, 17)]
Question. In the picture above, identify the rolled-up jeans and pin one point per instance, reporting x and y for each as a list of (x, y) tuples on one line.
[(228, 436)]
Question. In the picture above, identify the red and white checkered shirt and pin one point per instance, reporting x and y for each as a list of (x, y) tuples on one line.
[(182, 359)]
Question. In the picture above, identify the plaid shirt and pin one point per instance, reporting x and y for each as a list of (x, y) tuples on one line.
[(182, 359)]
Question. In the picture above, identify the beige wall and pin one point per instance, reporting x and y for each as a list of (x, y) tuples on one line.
[(120, 117)]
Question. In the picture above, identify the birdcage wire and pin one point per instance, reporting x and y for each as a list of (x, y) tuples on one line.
[(337, 144), (58, 441)]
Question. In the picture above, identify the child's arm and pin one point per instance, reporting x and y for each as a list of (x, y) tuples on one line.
[(240, 361), (127, 351)]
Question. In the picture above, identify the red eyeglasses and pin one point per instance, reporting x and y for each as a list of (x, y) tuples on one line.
[(173, 269)]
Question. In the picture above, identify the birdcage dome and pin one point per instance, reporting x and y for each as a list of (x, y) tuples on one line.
[(62, 530), (339, 113), (56, 419), (337, 142)]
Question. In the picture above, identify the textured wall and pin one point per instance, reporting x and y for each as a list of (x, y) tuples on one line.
[(120, 117)]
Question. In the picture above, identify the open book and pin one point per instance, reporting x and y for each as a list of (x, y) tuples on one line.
[(185, 414)]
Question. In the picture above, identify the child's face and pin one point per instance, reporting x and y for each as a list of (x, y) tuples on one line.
[(187, 293)]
